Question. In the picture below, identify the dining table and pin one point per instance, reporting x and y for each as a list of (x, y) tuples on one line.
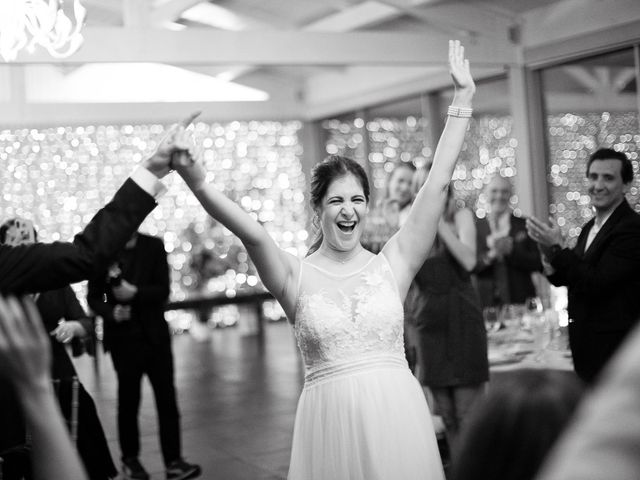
[(516, 348)]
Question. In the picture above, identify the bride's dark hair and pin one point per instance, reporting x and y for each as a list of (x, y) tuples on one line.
[(322, 175)]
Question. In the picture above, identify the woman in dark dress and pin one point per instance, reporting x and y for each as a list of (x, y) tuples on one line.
[(450, 333), (66, 320)]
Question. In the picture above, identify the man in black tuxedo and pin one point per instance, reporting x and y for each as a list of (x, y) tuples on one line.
[(506, 257), (130, 297), (40, 267), (602, 272)]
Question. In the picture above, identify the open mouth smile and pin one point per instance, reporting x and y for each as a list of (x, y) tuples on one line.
[(347, 227)]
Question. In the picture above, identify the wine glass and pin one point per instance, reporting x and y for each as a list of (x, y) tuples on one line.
[(534, 305), (491, 319)]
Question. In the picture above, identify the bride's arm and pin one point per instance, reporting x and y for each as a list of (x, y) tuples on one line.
[(408, 249), (278, 269)]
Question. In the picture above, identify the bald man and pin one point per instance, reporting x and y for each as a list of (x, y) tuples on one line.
[(506, 255)]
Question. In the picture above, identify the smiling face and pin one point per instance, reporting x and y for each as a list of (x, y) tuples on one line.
[(342, 213), (399, 186), (498, 195), (606, 187)]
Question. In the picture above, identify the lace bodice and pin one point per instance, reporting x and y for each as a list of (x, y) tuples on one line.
[(339, 317)]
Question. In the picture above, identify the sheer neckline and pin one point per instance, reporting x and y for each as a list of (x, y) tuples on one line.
[(354, 272)]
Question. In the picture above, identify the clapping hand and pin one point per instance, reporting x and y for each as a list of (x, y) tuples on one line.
[(124, 291), (503, 246), (460, 72), (25, 354), (173, 142), (544, 234), (122, 313), (66, 330)]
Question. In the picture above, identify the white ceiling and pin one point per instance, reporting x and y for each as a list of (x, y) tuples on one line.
[(311, 58)]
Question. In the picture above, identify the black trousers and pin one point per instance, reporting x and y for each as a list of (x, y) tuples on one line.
[(132, 359)]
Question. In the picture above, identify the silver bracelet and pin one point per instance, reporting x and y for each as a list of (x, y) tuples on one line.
[(462, 112)]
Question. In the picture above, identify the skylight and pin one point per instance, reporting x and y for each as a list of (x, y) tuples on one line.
[(132, 83)]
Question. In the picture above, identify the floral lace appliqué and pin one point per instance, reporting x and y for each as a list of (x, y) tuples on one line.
[(333, 325)]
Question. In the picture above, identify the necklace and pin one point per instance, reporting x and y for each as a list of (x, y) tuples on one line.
[(341, 260)]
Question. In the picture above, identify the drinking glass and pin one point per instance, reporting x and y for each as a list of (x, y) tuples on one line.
[(491, 319), (541, 330), (511, 315)]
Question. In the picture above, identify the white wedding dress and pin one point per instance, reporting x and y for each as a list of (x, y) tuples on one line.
[(362, 415)]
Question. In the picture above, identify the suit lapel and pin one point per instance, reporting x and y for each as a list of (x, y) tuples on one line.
[(582, 239), (604, 232)]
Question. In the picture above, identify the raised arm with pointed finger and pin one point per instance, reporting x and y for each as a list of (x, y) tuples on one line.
[(408, 249), (41, 266)]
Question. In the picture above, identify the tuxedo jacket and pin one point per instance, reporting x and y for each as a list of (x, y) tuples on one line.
[(604, 288), (508, 281), (145, 266), (47, 266)]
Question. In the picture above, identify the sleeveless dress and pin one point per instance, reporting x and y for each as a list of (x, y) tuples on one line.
[(362, 415)]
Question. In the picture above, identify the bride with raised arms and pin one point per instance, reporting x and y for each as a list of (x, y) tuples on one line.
[(362, 415)]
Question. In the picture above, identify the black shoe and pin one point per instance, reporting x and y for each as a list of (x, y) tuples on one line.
[(132, 469), (181, 470)]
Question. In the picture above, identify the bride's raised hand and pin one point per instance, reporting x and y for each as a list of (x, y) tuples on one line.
[(187, 161), (159, 163), (459, 69)]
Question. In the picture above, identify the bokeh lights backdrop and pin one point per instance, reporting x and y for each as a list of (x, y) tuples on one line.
[(59, 177)]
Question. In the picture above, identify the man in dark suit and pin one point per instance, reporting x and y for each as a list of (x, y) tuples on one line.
[(40, 267), (130, 297), (602, 272), (506, 255)]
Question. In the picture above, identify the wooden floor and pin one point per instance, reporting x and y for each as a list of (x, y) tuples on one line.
[(237, 397)]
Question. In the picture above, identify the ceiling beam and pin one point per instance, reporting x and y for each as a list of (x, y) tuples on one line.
[(571, 18), (54, 115), (581, 75), (456, 18), (623, 78), (170, 11), (361, 87), (205, 46), (135, 13), (352, 18), (587, 43)]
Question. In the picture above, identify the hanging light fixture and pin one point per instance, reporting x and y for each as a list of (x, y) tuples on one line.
[(29, 23)]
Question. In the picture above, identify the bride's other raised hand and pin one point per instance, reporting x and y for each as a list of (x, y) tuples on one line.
[(460, 72), (188, 162)]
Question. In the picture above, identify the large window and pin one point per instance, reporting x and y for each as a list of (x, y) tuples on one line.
[(589, 104)]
